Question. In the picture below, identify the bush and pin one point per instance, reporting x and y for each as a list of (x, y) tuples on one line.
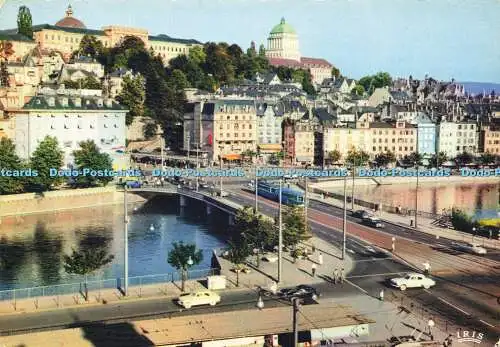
[(462, 221)]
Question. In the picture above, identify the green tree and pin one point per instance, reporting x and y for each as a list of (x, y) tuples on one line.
[(335, 72), (179, 80), (24, 22), (384, 159), (464, 158), (86, 262), (357, 158), (379, 80), (237, 254), (438, 159), (294, 229), (90, 46), (262, 51), (47, 156), (358, 90), (487, 158), (90, 157), (10, 162), (461, 221), (197, 55), (219, 63), (182, 257), (89, 82), (133, 96), (414, 158), (334, 156)]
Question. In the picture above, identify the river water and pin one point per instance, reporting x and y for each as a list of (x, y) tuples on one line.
[(32, 249), (481, 199)]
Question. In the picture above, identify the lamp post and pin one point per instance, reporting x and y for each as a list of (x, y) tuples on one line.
[(125, 240), (220, 163), (280, 235), (162, 145), (296, 305), (416, 189), (256, 190), (344, 224), (197, 167), (306, 202), (352, 191)]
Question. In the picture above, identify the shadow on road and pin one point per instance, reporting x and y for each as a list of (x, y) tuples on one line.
[(111, 335)]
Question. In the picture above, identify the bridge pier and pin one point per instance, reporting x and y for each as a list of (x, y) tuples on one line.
[(182, 200), (231, 220), (208, 209)]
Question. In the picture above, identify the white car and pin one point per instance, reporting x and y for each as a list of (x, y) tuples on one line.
[(476, 249), (412, 280), (203, 297)]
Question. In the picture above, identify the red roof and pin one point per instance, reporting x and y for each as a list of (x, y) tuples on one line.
[(304, 62)]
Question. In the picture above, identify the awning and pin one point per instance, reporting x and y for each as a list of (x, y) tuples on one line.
[(270, 148), (231, 156)]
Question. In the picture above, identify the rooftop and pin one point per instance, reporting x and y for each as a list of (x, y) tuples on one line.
[(42, 102), (283, 28)]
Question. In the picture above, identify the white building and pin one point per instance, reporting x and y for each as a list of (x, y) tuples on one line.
[(72, 119), (283, 42), (455, 138)]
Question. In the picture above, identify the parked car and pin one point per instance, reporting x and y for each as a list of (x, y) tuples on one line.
[(361, 214), (133, 184), (373, 222), (301, 291), (470, 248), (412, 280), (203, 297)]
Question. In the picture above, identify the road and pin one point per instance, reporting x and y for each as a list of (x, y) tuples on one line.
[(466, 294)]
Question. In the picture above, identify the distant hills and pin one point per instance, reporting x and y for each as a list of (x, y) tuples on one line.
[(479, 87)]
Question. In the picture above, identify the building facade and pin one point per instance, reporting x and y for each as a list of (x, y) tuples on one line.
[(72, 119), (66, 34), (345, 139), (397, 137), (455, 138), (490, 139), (220, 129)]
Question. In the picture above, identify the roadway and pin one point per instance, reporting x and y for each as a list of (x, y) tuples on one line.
[(466, 297)]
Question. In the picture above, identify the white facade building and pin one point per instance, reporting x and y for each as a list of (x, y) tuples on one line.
[(455, 138), (72, 119), (283, 42)]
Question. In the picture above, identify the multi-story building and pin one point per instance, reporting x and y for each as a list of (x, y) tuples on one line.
[(66, 34), (220, 129), (347, 138), (72, 119), (489, 138), (299, 141), (427, 131), (457, 137), (397, 137), (269, 130)]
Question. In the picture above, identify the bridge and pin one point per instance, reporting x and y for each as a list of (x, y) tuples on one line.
[(210, 201)]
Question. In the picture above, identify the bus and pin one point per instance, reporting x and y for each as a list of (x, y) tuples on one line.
[(288, 196)]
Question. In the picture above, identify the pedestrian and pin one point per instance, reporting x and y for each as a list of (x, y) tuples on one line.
[(342, 274), (335, 276), (313, 249), (381, 295), (320, 259), (427, 268), (448, 341), (313, 269)]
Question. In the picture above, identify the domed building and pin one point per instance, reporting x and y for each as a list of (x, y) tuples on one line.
[(69, 21), (283, 50), (283, 42)]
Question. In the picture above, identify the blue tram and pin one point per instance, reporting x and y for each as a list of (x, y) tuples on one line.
[(288, 196)]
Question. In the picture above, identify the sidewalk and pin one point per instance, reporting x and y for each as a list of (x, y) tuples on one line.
[(294, 274), (424, 224)]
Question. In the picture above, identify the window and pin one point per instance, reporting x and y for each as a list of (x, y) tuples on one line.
[(227, 135), (249, 126)]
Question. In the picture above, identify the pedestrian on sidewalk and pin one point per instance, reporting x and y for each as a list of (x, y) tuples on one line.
[(313, 269), (448, 341), (427, 268), (320, 259), (381, 295), (341, 276), (335, 276)]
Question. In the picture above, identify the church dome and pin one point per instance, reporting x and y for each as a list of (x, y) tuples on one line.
[(69, 21), (283, 28)]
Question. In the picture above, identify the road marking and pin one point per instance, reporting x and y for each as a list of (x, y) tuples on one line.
[(351, 251), (372, 259), (450, 304), (356, 286), (482, 321)]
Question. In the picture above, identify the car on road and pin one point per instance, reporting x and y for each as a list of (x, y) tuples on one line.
[(412, 280), (373, 222), (471, 248), (202, 297), (361, 214), (301, 291)]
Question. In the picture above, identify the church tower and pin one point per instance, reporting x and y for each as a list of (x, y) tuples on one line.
[(283, 42)]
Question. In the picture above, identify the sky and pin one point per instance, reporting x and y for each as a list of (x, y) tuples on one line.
[(442, 38)]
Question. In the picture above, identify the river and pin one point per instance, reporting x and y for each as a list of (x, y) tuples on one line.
[(32, 249)]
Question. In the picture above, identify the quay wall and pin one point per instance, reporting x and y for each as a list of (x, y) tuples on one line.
[(15, 205)]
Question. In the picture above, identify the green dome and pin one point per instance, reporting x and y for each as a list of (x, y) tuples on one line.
[(283, 28)]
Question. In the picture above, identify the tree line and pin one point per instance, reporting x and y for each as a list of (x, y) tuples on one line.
[(48, 155)]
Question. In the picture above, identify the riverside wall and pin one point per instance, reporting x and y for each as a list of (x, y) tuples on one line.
[(12, 206)]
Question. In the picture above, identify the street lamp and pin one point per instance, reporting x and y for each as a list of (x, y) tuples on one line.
[(344, 224), (280, 235), (125, 239)]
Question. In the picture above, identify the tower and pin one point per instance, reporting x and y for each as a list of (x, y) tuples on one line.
[(283, 42)]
